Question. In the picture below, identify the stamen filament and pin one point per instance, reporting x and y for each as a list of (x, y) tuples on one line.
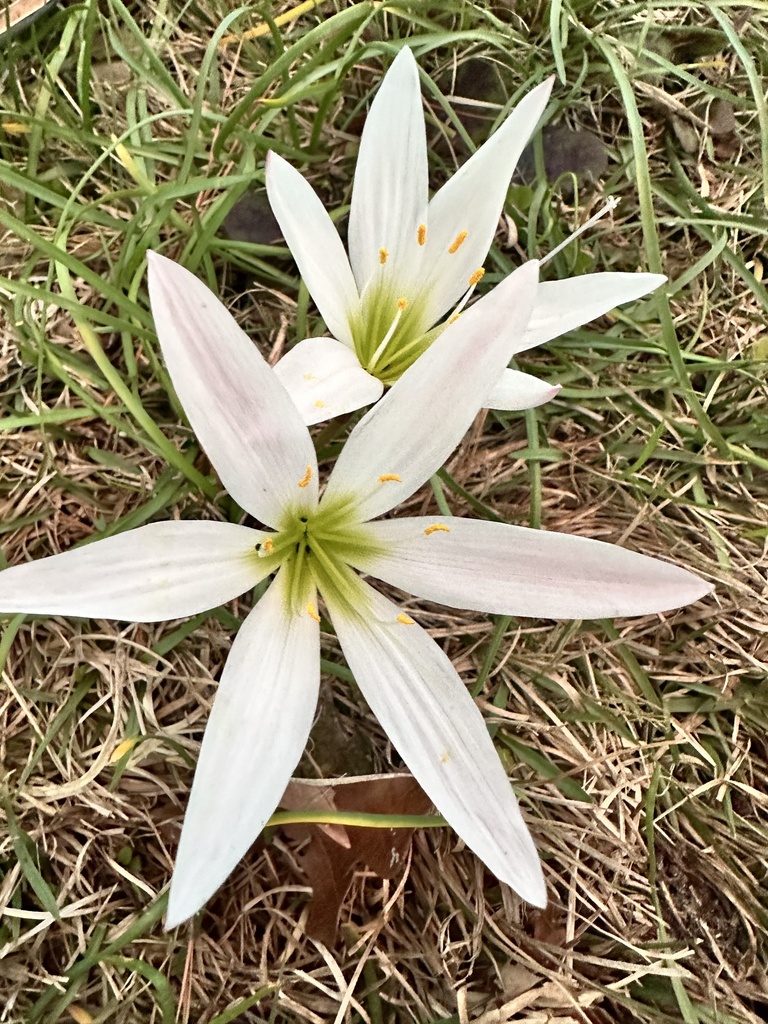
[(401, 306), (478, 275), (611, 204)]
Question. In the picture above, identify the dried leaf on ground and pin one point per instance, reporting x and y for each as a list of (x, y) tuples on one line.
[(331, 858)]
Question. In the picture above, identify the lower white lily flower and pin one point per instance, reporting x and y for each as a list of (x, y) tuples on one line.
[(413, 261), (268, 691)]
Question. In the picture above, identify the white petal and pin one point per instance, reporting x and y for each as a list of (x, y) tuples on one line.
[(565, 305), (472, 201), (389, 196), (242, 415), (325, 379), (435, 725), (515, 390), (418, 423), (257, 731), (314, 243), (511, 570), (156, 572)]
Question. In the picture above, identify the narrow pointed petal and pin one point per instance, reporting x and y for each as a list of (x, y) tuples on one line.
[(315, 245), (511, 570), (389, 196), (563, 306), (515, 390), (242, 415), (472, 201), (435, 725), (325, 379), (256, 734), (156, 572), (417, 424)]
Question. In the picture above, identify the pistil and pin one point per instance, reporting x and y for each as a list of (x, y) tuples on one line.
[(610, 204)]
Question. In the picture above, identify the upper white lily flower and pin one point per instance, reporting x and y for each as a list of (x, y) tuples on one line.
[(268, 691), (414, 262)]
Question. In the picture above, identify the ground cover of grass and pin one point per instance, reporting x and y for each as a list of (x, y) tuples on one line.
[(637, 747)]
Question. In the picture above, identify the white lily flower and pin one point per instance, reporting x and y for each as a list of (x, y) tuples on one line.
[(266, 698), (412, 261)]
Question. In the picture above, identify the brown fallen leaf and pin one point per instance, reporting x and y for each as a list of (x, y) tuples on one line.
[(328, 863), (315, 795)]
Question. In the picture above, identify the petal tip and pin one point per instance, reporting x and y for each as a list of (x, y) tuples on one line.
[(536, 891), (553, 392), (539, 899), (706, 589), (404, 56), (690, 587), (157, 263), (528, 881), (177, 914)]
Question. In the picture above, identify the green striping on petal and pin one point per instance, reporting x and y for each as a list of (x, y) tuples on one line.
[(315, 550), (341, 588)]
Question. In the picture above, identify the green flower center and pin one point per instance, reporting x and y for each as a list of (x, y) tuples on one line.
[(314, 550), (389, 332), (390, 328)]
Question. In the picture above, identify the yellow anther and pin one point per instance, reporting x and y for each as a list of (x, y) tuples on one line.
[(402, 303), (388, 478), (266, 548), (478, 275), (457, 243), (421, 234), (309, 376), (454, 318), (406, 620), (306, 478), (437, 528), (312, 612), (383, 255), (446, 756), (319, 404)]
